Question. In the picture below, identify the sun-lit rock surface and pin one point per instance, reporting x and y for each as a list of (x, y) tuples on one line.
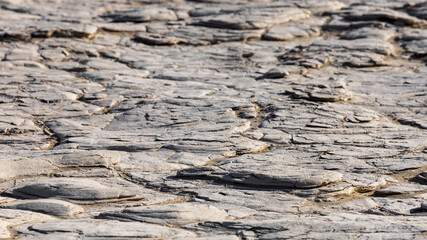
[(213, 119)]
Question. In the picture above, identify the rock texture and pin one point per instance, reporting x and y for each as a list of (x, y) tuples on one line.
[(213, 119)]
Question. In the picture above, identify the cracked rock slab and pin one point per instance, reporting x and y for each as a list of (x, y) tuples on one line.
[(47, 206), (13, 217), (174, 214), (267, 170), (287, 177), (97, 229), (26, 164), (253, 18), (401, 189), (330, 91), (141, 14), (68, 188)]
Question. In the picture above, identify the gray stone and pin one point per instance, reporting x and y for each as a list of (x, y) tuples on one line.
[(276, 73), (366, 32), (75, 30), (253, 18), (267, 170), (401, 189), (288, 177), (219, 237), (203, 171), (13, 217), (399, 207), (27, 164), (69, 188), (371, 45), (141, 14), (47, 206), (291, 31), (331, 91), (423, 176), (157, 39), (414, 34), (417, 47), (174, 214), (419, 10), (89, 228), (365, 13), (23, 52), (197, 36)]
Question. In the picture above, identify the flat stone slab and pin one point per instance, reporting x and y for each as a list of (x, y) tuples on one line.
[(253, 18), (401, 189), (68, 188), (174, 214), (47, 206), (272, 169), (13, 217), (287, 177), (29, 163), (89, 228)]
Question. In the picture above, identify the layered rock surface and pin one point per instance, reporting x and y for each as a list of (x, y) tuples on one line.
[(213, 119)]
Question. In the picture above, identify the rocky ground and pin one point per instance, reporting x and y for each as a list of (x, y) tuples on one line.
[(213, 119)]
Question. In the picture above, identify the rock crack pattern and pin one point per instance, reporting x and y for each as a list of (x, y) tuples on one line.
[(213, 119)]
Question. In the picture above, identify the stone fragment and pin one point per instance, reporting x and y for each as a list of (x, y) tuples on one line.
[(401, 189), (366, 32), (197, 36), (414, 34), (344, 225), (174, 214), (102, 64), (12, 217), (290, 32), (157, 39), (122, 27), (89, 158), (399, 207), (252, 18), (214, 237), (47, 206), (90, 173), (203, 171), (8, 15), (75, 30), (417, 47), (290, 177), (68, 188), (23, 52), (299, 57), (141, 14), (422, 176), (362, 204), (366, 13), (276, 73), (370, 45), (15, 125), (268, 169), (419, 10), (330, 91), (89, 228), (31, 164)]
